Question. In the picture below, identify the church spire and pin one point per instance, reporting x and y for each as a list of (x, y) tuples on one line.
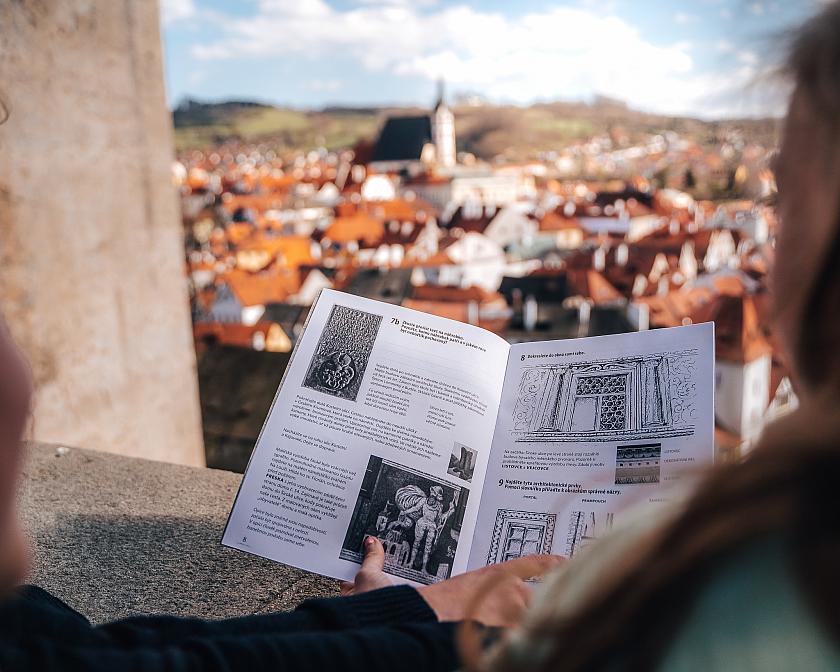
[(443, 130), (441, 94)]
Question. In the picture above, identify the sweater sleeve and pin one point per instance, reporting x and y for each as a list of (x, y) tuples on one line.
[(415, 646), (399, 605)]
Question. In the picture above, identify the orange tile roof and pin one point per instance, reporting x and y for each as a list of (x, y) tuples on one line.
[(670, 310), (417, 210), (593, 285), (290, 251), (241, 335), (357, 227), (253, 289), (449, 293), (238, 232), (455, 310), (257, 202), (739, 336), (552, 221)]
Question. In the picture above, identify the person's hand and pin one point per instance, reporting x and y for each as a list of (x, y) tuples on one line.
[(371, 575), (496, 595)]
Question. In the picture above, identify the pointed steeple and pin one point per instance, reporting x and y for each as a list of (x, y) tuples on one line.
[(441, 95), (443, 130)]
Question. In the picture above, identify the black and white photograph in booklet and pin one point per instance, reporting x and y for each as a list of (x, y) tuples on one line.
[(417, 517), (341, 356), (462, 462)]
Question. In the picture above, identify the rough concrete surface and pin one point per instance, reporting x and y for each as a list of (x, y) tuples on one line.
[(116, 537)]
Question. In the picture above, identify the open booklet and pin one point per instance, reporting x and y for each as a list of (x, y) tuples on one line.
[(457, 449)]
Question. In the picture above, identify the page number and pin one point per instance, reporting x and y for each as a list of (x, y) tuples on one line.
[(394, 320)]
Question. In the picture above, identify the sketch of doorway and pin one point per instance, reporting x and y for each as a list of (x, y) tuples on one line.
[(584, 528), (519, 533), (619, 399)]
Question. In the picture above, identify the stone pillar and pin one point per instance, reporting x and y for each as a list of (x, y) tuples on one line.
[(92, 281)]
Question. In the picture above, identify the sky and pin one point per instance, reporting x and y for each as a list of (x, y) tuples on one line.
[(702, 58)]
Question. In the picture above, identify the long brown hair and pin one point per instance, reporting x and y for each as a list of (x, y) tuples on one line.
[(787, 486)]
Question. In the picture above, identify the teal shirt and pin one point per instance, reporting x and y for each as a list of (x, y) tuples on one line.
[(749, 615), (752, 616)]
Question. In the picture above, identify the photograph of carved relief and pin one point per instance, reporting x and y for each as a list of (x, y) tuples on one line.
[(621, 399), (519, 533), (584, 528), (342, 353), (417, 517), (462, 462), (637, 464)]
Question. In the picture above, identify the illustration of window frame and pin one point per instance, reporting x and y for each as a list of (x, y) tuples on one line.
[(508, 522), (553, 407)]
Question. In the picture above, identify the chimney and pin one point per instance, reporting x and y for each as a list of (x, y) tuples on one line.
[(472, 312), (622, 254), (584, 314), (529, 313), (516, 301), (639, 285), (674, 227), (642, 317), (599, 259)]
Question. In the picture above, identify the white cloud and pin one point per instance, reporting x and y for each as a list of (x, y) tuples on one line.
[(683, 18), (562, 53), (175, 10), (757, 8), (726, 13)]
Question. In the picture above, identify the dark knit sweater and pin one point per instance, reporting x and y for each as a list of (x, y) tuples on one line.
[(389, 629)]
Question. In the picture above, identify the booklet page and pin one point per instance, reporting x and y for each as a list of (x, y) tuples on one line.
[(382, 425), (585, 428)]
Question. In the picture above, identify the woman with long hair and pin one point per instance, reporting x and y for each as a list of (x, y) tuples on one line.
[(746, 575), (742, 576)]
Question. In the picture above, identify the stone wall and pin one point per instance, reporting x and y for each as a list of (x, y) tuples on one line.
[(91, 280)]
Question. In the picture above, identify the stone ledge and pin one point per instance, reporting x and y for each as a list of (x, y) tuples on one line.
[(116, 537)]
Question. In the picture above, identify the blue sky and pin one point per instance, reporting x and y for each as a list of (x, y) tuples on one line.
[(706, 58)]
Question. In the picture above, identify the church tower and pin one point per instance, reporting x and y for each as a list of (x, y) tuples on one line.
[(443, 131)]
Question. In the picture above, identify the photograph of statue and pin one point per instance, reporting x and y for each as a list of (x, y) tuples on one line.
[(417, 517), (342, 353)]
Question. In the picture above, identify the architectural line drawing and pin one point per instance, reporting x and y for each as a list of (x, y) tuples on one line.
[(584, 528), (637, 463), (342, 353), (621, 399), (518, 533), (418, 518)]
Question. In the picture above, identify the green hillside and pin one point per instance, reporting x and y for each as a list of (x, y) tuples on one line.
[(487, 131)]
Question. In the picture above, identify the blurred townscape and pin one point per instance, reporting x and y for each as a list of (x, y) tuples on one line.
[(546, 222)]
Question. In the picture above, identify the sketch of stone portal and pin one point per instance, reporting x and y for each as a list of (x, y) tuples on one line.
[(584, 528), (417, 517), (518, 533), (618, 399), (637, 464), (342, 353)]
